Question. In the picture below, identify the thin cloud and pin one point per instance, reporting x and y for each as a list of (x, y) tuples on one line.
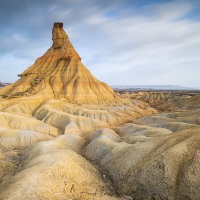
[(115, 39)]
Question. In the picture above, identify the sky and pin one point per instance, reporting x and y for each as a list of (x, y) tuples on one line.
[(122, 42)]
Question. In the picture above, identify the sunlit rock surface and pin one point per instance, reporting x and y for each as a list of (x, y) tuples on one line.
[(55, 170), (149, 162), (60, 74)]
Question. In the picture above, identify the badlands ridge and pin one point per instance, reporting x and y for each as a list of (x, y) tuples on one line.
[(66, 135)]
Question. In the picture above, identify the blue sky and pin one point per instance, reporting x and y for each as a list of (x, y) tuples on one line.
[(122, 42)]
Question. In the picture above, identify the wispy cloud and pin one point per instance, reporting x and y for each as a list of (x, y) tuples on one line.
[(121, 42)]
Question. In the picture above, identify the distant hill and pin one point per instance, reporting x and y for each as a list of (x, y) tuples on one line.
[(3, 84), (152, 87)]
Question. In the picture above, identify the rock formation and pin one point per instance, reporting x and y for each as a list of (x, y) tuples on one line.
[(44, 119), (51, 94), (156, 157), (166, 100), (60, 74), (191, 103), (55, 170), (66, 135)]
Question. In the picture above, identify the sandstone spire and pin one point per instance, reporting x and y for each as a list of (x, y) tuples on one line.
[(59, 74)]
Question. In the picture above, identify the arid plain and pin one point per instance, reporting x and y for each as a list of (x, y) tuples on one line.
[(66, 135)]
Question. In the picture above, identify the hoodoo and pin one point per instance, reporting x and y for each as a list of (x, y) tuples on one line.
[(60, 74), (48, 126)]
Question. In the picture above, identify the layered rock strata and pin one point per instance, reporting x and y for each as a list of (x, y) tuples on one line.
[(60, 74)]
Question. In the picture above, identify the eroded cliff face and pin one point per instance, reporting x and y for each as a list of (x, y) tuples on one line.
[(59, 74)]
